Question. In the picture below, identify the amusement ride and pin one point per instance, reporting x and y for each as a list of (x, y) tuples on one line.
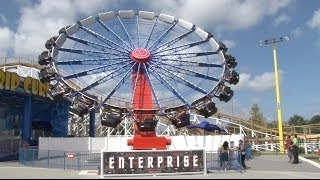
[(138, 65)]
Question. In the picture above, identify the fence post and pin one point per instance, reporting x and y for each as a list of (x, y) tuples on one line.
[(305, 145), (78, 160), (48, 157), (32, 150), (239, 155), (240, 158), (205, 161), (64, 160), (21, 156)]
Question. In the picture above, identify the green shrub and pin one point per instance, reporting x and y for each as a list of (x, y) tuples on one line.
[(301, 150)]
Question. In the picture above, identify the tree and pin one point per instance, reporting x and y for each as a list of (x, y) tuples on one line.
[(272, 124), (296, 120), (315, 119), (256, 115)]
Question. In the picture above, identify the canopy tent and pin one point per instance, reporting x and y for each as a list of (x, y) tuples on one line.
[(207, 127)]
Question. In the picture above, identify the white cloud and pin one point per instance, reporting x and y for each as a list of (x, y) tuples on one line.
[(314, 22), (234, 108), (6, 39), (297, 32), (283, 18), (41, 21), (227, 14), (263, 82)]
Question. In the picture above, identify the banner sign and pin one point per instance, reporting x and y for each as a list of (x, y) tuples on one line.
[(152, 161), (13, 82)]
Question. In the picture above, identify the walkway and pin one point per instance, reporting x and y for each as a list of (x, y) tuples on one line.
[(261, 167)]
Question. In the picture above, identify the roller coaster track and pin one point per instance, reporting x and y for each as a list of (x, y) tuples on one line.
[(271, 132), (234, 125), (25, 64), (17, 64), (246, 123)]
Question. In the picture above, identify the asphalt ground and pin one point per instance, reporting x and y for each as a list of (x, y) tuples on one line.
[(260, 167)]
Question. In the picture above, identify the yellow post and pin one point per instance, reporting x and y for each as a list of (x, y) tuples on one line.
[(278, 99)]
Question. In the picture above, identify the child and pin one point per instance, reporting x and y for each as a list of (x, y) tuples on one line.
[(224, 155)]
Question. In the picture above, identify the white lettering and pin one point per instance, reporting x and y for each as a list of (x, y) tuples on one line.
[(160, 160), (131, 162), (186, 161), (111, 162), (150, 161), (195, 161), (169, 161), (121, 162), (178, 161), (153, 162), (140, 164)]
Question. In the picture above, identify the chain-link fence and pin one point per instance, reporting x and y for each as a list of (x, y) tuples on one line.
[(80, 160), (216, 161), (9, 149), (32, 156)]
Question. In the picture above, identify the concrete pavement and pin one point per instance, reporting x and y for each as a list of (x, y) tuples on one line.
[(261, 167)]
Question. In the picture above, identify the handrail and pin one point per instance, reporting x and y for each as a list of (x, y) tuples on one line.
[(22, 64)]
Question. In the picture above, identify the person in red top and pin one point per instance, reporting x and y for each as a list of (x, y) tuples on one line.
[(288, 145)]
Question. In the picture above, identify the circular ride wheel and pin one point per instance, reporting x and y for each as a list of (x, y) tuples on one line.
[(143, 64)]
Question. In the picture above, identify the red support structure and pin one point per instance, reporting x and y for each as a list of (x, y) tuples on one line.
[(144, 138)]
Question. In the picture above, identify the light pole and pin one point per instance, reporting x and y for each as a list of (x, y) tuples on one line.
[(273, 42)]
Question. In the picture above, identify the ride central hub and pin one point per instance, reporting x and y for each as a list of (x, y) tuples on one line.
[(140, 55)]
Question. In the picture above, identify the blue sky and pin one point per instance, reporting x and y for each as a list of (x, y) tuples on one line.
[(25, 25)]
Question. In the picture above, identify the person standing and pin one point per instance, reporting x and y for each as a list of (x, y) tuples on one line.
[(224, 155), (242, 154), (295, 148), (288, 145)]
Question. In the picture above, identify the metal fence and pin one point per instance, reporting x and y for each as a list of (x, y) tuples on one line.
[(32, 156), (9, 149), (215, 161)]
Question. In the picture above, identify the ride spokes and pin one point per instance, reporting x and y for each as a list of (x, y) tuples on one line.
[(142, 65)]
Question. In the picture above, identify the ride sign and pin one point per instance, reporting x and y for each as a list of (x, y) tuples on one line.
[(152, 161), (13, 82)]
